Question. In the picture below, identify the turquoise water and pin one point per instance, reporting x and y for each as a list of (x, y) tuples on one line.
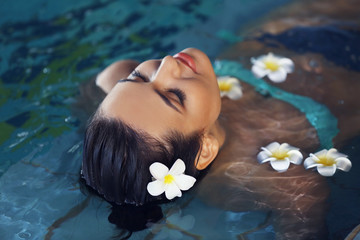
[(49, 48)]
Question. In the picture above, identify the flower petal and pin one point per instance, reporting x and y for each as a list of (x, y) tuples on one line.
[(156, 188), (295, 156), (158, 170), (343, 164), (258, 61), (278, 76), (280, 165), (263, 156), (270, 56), (320, 154), (310, 162), (266, 151), (284, 147), (259, 72), (171, 191), (253, 60), (235, 93), (178, 168), (272, 147), (326, 171), (228, 79), (333, 153), (287, 64), (184, 182)]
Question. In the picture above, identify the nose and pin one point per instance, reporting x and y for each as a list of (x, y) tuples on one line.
[(168, 69)]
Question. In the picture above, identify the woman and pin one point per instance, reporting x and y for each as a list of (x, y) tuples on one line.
[(169, 109)]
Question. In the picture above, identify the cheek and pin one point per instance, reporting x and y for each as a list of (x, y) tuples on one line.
[(205, 105)]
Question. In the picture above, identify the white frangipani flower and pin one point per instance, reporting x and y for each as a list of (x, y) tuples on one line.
[(280, 156), (170, 182), (327, 161), (230, 87), (275, 67)]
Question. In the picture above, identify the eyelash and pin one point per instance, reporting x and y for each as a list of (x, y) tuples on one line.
[(138, 74), (179, 94)]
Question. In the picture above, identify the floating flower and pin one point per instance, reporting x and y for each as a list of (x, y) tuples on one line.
[(327, 161), (170, 182), (280, 156), (230, 87), (275, 67)]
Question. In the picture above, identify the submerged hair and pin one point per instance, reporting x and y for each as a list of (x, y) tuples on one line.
[(116, 159)]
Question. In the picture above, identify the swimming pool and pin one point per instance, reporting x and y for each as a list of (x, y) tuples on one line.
[(49, 48)]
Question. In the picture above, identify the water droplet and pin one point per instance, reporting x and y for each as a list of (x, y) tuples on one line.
[(46, 70), (24, 235), (313, 63), (70, 119), (74, 148), (22, 134), (41, 145)]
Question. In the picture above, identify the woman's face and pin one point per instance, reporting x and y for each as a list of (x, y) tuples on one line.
[(178, 92)]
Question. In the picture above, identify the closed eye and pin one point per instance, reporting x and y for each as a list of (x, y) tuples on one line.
[(179, 94), (126, 80), (167, 101), (136, 73)]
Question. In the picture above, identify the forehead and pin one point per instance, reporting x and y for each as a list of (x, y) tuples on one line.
[(139, 106)]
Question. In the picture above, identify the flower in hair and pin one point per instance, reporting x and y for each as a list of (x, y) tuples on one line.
[(327, 161), (280, 156), (229, 87), (169, 181), (275, 67)]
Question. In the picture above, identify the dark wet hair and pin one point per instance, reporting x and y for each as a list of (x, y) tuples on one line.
[(135, 218), (116, 159)]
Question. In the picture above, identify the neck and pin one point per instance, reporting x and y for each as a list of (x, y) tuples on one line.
[(218, 132)]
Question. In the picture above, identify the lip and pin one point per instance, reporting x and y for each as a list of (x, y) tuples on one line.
[(187, 60)]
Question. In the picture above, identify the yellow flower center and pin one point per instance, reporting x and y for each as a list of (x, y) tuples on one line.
[(168, 179), (225, 86), (326, 161), (280, 155), (271, 65)]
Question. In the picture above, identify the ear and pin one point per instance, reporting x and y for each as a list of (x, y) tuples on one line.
[(209, 150)]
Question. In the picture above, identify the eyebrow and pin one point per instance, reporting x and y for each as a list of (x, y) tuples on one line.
[(163, 97)]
